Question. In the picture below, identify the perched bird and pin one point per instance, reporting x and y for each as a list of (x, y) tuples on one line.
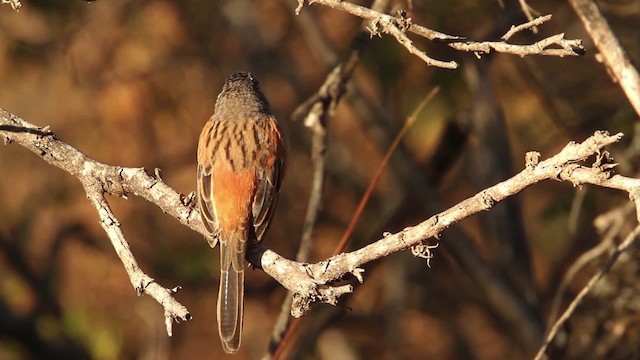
[(241, 156)]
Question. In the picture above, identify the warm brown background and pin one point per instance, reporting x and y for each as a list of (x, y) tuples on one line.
[(131, 83)]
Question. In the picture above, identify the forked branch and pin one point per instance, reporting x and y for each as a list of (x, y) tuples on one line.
[(398, 26), (309, 283)]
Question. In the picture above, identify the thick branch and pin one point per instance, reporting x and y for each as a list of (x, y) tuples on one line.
[(97, 179), (312, 282), (115, 180), (614, 56), (15, 4), (308, 282)]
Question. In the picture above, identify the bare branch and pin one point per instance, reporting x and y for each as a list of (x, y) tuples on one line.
[(526, 9), (397, 28), (316, 112), (614, 56), (142, 282), (625, 245), (529, 25), (614, 220), (15, 4), (309, 283), (555, 45), (541, 47), (97, 179), (312, 282)]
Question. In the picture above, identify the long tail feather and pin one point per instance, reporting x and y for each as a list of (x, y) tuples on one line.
[(230, 296)]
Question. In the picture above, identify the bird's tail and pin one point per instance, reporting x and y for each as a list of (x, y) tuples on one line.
[(231, 292)]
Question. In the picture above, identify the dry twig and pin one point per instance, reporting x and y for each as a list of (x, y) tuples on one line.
[(629, 241), (529, 25), (98, 179), (15, 4), (526, 9), (312, 282), (613, 227), (309, 283), (316, 111), (555, 45), (614, 56)]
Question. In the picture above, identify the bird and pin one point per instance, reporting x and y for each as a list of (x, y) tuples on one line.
[(241, 162)]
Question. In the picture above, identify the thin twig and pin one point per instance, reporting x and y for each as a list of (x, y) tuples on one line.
[(529, 25), (397, 28), (356, 216), (317, 109), (15, 4), (624, 246), (575, 211), (142, 282), (555, 45), (316, 121), (602, 247), (376, 177), (541, 47), (526, 9)]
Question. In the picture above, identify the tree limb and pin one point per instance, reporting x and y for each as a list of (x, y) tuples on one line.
[(309, 283), (312, 282), (98, 179), (611, 52), (397, 26), (15, 4)]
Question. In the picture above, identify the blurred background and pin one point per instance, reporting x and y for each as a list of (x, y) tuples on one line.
[(131, 83)]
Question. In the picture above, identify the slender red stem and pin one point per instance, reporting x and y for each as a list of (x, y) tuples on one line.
[(376, 177)]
